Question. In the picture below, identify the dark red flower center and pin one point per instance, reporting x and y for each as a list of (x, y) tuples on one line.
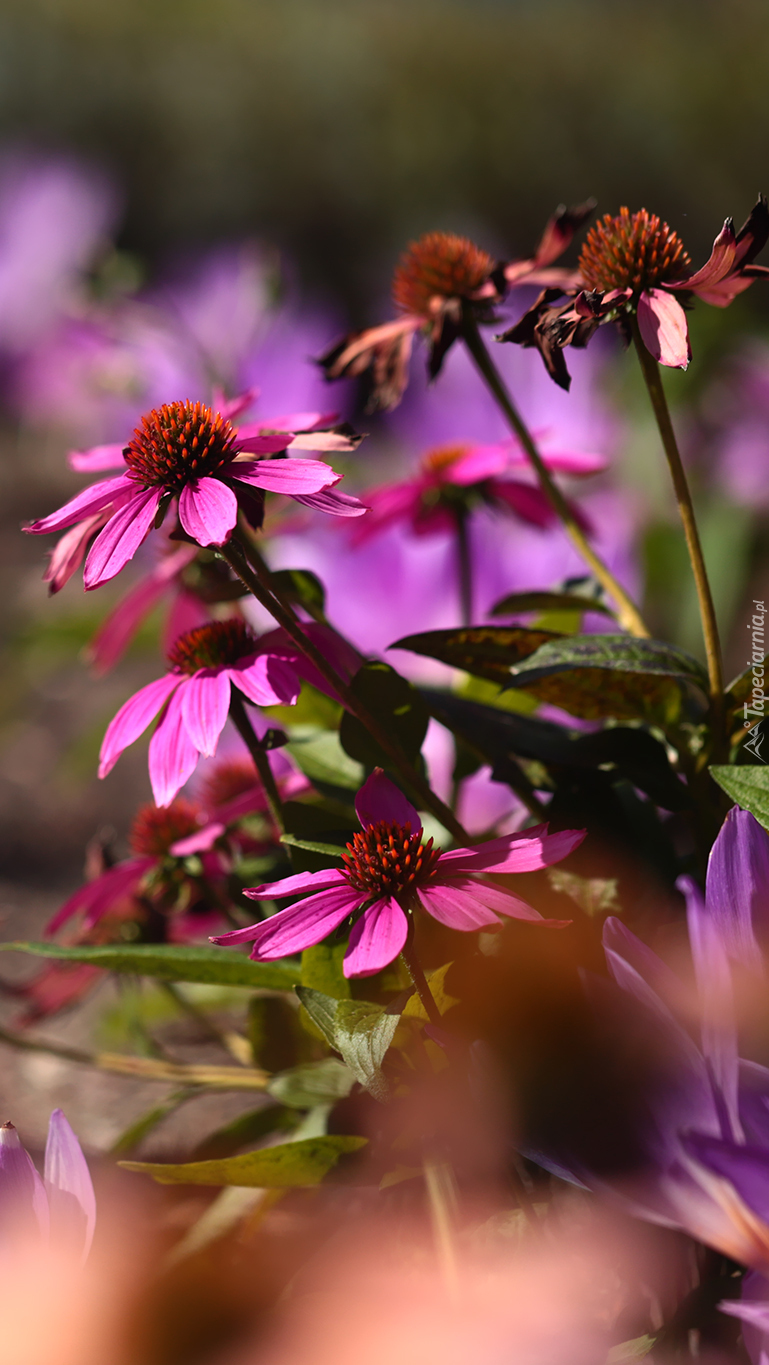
[(229, 779), (388, 860), (438, 265), (177, 443), (212, 646), (632, 251), (155, 829)]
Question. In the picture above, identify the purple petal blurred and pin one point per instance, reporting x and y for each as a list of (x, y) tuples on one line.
[(714, 985), (746, 1168), (199, 842), (376, 938), (98, 457), (205, 703), (98, 897), (68, 1184), (380, 799), (524, 852), (266, 680), (121, 538), (23, 1201), (285, 476), (84, 504), (664, 329), (301, 881), (528, 503), (116, 632), (334, 504), (172, 754), (737, 890), (133, 718), (208, 511)]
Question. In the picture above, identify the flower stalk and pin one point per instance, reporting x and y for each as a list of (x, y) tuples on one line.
[(421, 985), (245, 729), (653, 379), (627, 612), (259, 584)]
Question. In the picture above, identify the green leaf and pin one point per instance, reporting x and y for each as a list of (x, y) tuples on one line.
[(414, 1009), (246, 1130), (323, 969), (303, 587), (396, 704), (322, 759), (593, 895), (291, 1165), (329, 850), (487, 651), (360, 1031), (748, 786), (519, 602), (303, 1087), (172, 962)]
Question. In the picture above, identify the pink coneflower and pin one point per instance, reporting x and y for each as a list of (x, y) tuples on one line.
[(186, 451), (389, 873), (635, 265)]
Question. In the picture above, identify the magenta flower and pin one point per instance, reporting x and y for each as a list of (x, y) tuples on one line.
[(451, 479), (389, 872), (63, 1204), (186, 451)]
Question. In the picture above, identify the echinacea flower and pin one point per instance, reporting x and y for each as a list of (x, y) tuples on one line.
[(633, 265), (390, 871), (432, 279), (193, 698), (61, 1206), (186, 451)]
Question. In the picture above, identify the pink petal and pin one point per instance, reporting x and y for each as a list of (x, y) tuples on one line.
[(68, 553), (301, 881), (186, 613), (456, 905), (332, 503), (297, 421), (342, 656), (576, 462), (92, 499), (527, 502), (505, 903), (266, 680), (477, 463), (376, 938), (121, 537), (324, 440), (116, 633), (286, 476), (388, 504), (663, 327), (97, 898), (300, 926), (230, 408), (98, 457), (133, 718), (67, 1182), (716, 268), (525, 852), (173, 757), (258, 444), (205, 704), (380, 799), (199, 842), (208, 511)]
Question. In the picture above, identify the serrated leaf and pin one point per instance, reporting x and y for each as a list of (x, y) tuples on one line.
[(516, 602), (289, 1166), (747, 785), (171, 962), (486, 651), (359, 1031), (396, 704), (303, 1087)]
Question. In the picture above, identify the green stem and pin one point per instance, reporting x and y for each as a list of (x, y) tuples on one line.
[(414, 969), (651, 373), (464, 569), (627, 612), (286, 618), (245, 729)]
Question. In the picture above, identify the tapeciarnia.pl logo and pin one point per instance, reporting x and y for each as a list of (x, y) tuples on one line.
[(755, 704)]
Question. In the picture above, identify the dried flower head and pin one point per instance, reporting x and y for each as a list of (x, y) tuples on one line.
[(439, 266), (156, 828), (634, 251)]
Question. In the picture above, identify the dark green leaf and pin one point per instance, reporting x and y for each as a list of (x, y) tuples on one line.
[(172, 962), (487, 651), (304, 588), (398, 707), (361, 1032), (328, 850), (748, 786), (304, 1087), (740, 688), (291, 1165), (519, 602), (315, 835)]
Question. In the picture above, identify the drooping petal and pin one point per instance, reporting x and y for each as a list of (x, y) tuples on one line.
[(69, 552), (331, 502), (664, 329), (266, 680), (199, 842), (291, 886), (737, 893), (721, 260), (376, 938), (133, 718), (98, 457), (68, 1183), (116, 632), (389, 504), (285, 476), (172, 754), (342, 656), (121, 537), (98, 897), (208, 511), (92, 499), (23, 1201), (714, 986), (339, 442), (300, 926), (455, 904), (527, 502), (205, 707), (507, 903), (380, 799), (527, 851)]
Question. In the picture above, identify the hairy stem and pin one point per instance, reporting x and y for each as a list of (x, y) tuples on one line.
[(651, 373), (286, 618), (245, 729), (627, 612)]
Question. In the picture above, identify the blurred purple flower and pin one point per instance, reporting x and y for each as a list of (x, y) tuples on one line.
[(63, 1204)]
